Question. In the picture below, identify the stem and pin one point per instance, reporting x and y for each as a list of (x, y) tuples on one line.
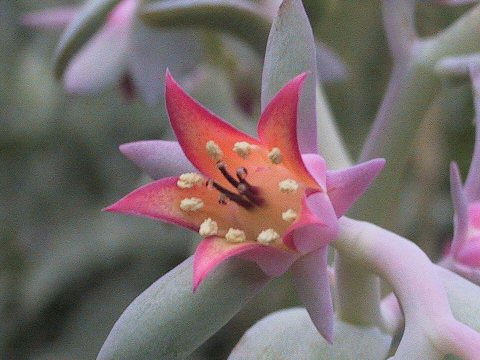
[(357, 295), (412, 88), (431, 331)]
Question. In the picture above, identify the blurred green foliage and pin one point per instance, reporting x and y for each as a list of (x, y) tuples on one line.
[(67, 270)]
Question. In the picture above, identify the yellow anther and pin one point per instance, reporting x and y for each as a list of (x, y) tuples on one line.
[(214, 150), (191, 204), (242, 149), (288, 186), (268, 236), (208, 228), (289, 215), (275, 156), (235, 236), (189, 180)]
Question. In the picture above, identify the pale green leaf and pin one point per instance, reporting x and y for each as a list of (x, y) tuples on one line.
[(244, 19), (290, 334), (91, 16), (168, 321)]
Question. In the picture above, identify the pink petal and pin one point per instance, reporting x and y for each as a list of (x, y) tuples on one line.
[(86, 74), (461, 209), (194, 126), (310, 274), (346, 186), (474, 215), (161, 200), (273, 261), (158, 158), (211, 252), (316, 227), (278, 128), (317, 167), (51, 19)]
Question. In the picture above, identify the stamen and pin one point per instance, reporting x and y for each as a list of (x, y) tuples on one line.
[(232, 196), (288, 186), (222, 200), (289, 215), (214, 150), (189, 180), (235, 236), (208, 228), (242, 173), (223, 168), (275, 156), (242, 149), (268, 236), (250, 193), (191, 204)]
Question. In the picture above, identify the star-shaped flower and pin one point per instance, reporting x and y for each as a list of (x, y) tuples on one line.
[(258, 198)]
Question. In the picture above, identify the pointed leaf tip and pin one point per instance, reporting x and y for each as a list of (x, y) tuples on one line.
[(158, 158), (347, 185)]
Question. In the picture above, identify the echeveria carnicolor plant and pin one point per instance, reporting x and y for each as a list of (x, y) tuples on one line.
[(431, 310), (255, 198)]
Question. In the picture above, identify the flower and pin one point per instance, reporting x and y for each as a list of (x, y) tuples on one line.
[(132, 54), (260, 199), (463, 256)]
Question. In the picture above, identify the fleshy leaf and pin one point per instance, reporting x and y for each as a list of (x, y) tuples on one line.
[(330, 67), (85, 74), (194, 126), (245, 19), (472, 182), (152, 49), (168, 322), (50, 19), (346, 186), (90, 17), (290, 334), (461, 209), (310, 273), (288, 54), (278, 128), (158, 158)]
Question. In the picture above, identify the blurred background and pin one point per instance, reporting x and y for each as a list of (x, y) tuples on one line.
[(68, 270)]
